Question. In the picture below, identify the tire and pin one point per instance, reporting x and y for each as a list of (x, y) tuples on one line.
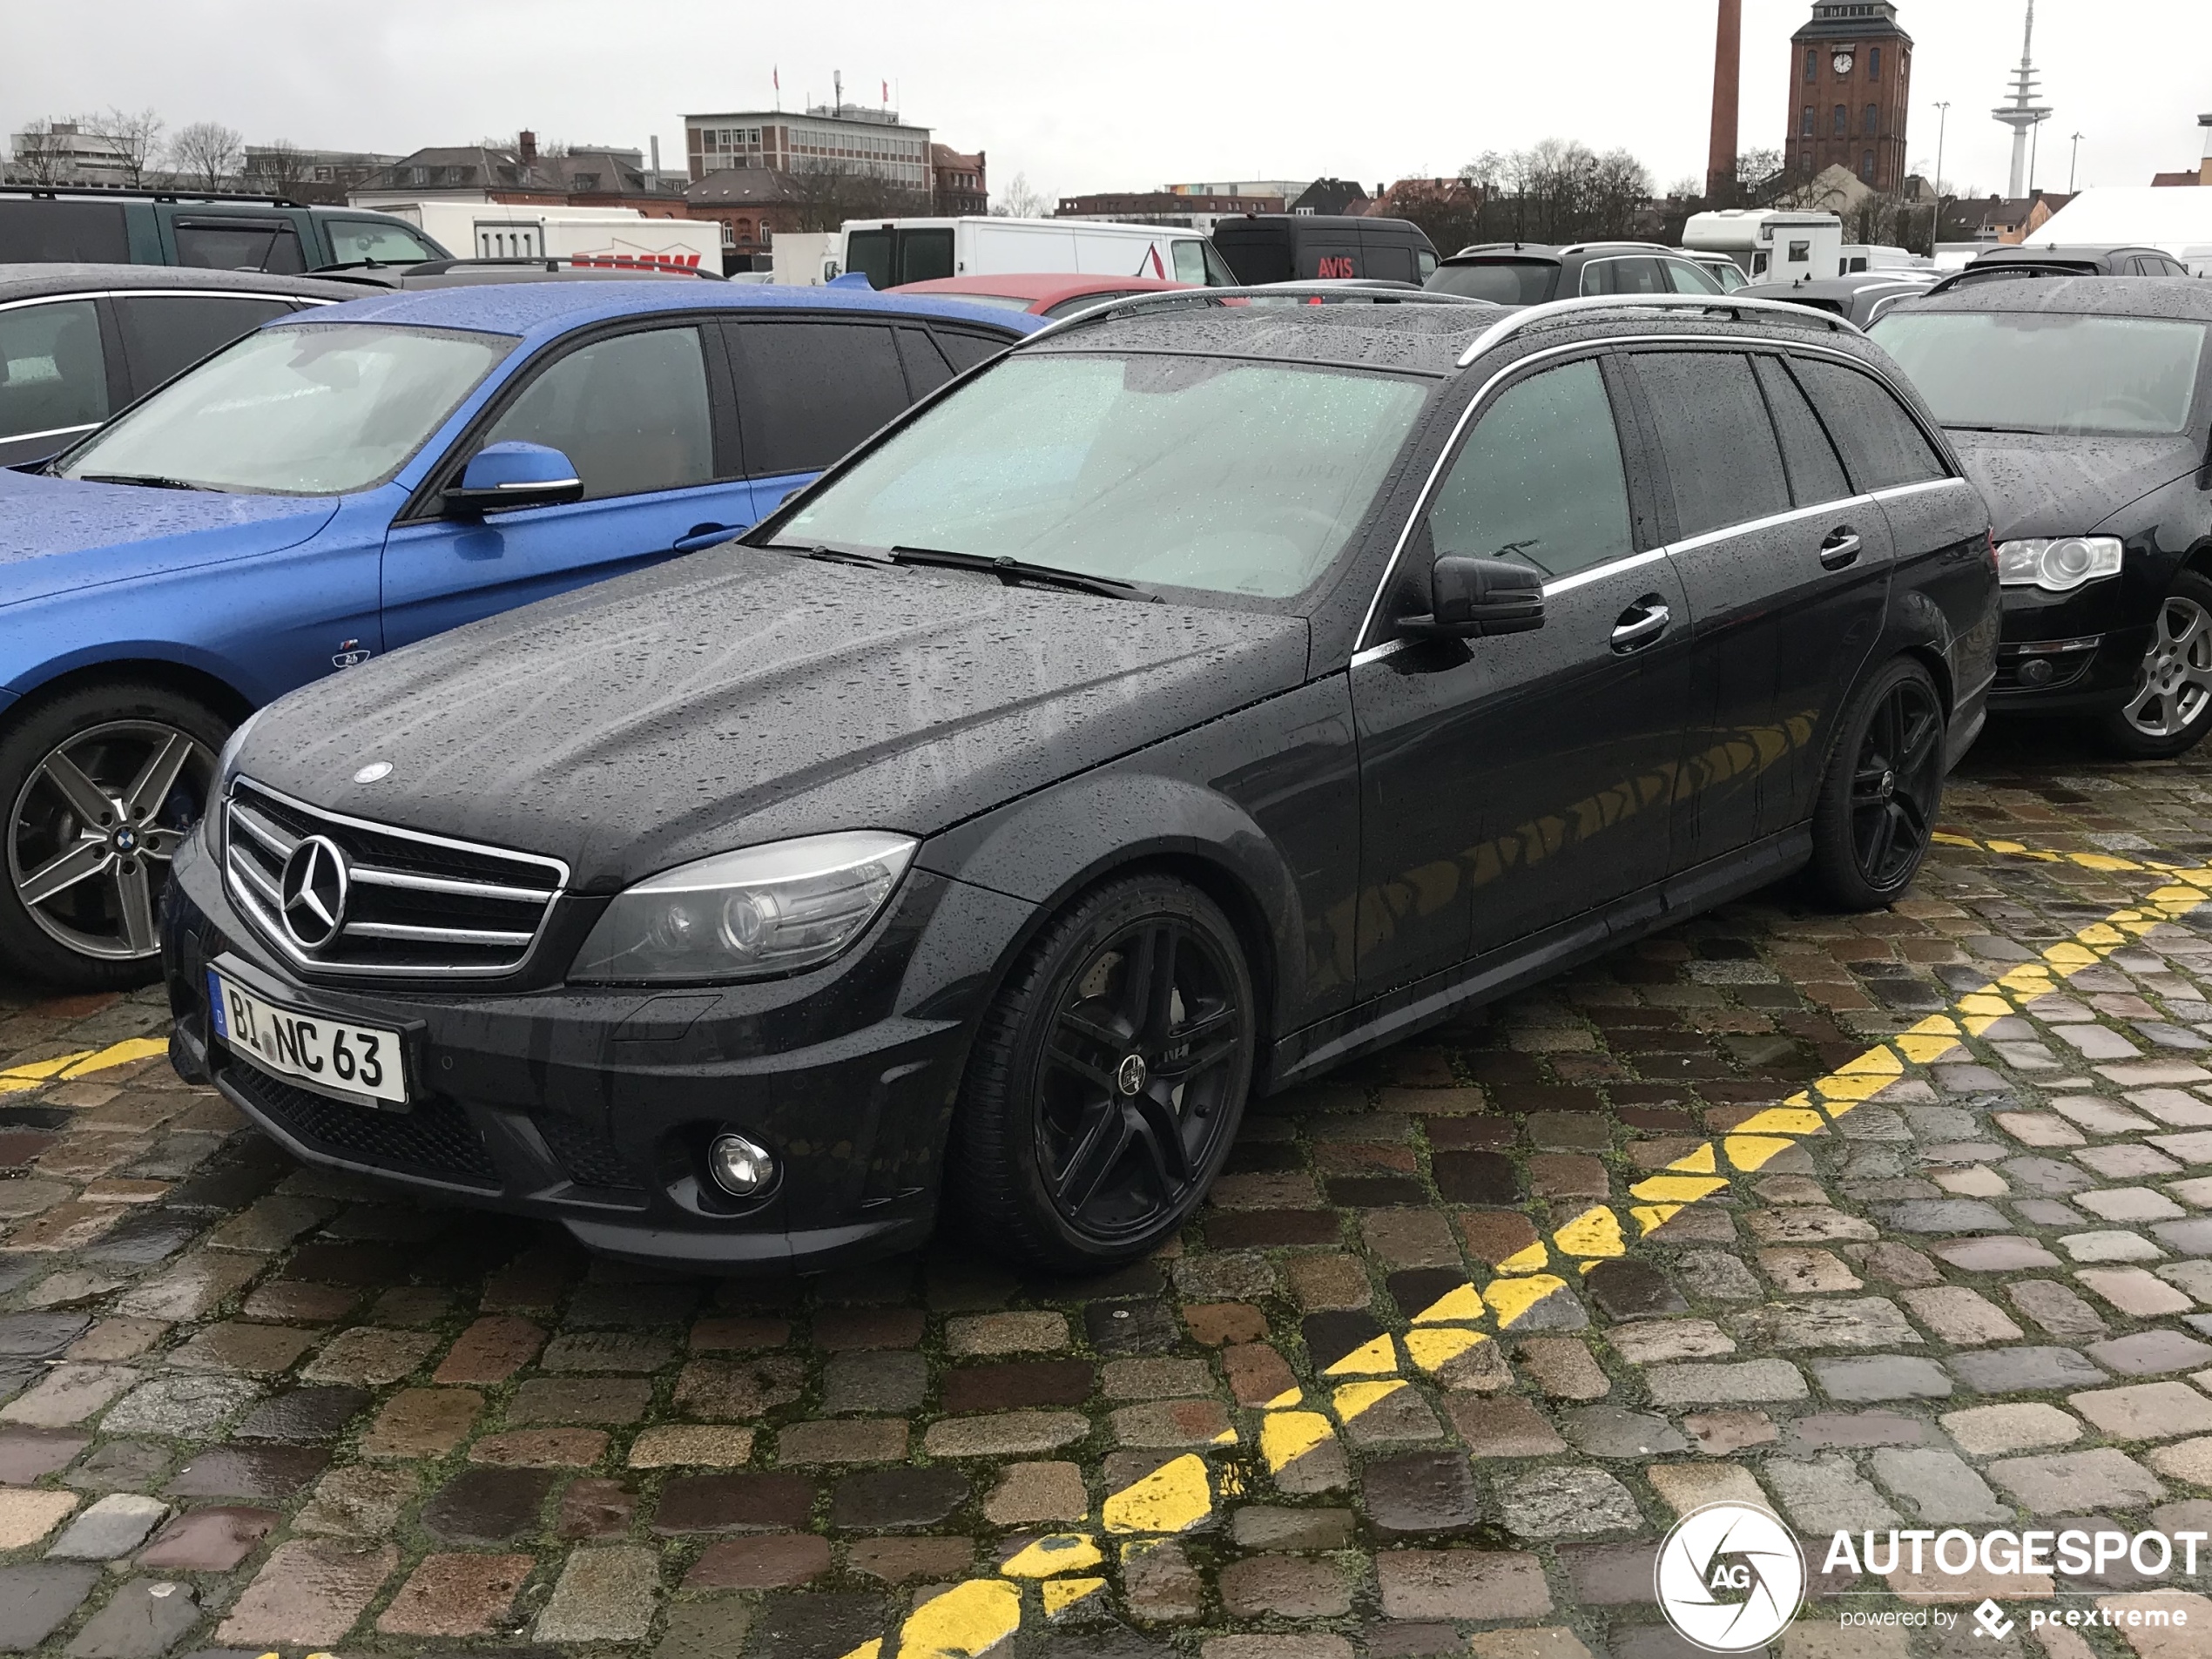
[(1089, 1126), (2170, 708), (1884, 789), (81, 891)]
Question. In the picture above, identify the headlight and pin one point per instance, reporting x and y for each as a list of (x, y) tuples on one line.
[(2059, 565), (765, 910)]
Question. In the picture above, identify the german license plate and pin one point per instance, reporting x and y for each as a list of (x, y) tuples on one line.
[(324, 1053)]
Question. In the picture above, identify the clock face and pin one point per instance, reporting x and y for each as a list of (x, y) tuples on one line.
[(1843, 63)]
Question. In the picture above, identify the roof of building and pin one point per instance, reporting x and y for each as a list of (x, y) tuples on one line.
[(543, 309), (484, 167), (1842, 20), (742, 187), (2177, 181)]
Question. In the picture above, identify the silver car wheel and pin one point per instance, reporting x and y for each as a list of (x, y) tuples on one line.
[(2174, 686), (93, 829)]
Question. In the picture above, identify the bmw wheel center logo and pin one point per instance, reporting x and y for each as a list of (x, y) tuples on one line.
[(1730, 1578), (313, 892)]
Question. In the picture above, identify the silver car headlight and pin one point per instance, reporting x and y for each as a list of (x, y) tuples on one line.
[(2057, 564), (747, 914)]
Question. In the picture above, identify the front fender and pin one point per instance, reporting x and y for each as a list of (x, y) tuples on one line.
[(1050, 847)]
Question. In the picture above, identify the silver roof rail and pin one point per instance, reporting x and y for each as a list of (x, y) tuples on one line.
[(1506, 328), (1326, 291)]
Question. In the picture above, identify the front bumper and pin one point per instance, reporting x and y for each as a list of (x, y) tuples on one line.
[(2071, 653), (592, 1106)]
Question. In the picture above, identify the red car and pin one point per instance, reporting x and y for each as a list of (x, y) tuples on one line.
[(1047, 293)]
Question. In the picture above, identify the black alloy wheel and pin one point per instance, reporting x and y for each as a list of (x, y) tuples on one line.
[(1883, 790), (100, 788), (1109, 1079)]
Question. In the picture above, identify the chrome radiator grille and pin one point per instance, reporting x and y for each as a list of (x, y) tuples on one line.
[(349, 896)]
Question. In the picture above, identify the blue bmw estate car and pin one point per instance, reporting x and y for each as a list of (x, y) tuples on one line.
[(339, 484)]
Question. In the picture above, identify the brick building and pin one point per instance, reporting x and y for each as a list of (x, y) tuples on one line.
[(1851, 83), (959, 185)]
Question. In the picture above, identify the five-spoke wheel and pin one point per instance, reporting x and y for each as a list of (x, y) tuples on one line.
[(1878, 803), (100, 788), (2170, 707), (1109, 1078)]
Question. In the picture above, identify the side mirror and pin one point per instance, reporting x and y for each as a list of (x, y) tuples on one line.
[(501, 476), (1476, 598)]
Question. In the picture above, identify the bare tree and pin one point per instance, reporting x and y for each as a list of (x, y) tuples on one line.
[(824, 199), (1020, 200), (38, 157), (133, 138), (208, 153)]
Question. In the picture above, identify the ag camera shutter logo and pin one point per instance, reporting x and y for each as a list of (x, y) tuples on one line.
[(1730, 1578)]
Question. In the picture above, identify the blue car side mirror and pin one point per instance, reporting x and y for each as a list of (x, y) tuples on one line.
[(506, 475)]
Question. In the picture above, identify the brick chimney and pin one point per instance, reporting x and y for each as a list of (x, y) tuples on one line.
[(526, 142), (2204, 172), (1728, 79)]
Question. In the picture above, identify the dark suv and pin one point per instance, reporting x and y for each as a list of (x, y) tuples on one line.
[(2083, 405), (2099, 259), (1515, 274), (40, 224), (1193, 700)]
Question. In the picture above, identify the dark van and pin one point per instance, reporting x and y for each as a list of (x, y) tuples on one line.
[(1307, 247), (40, 226)]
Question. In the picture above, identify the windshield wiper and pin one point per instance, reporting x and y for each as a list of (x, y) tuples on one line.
[(1013, 570), (149, 479), (821, 550), (2025, 431)]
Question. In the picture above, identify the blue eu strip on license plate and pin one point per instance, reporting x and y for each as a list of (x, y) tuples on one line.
[(216, 1016)]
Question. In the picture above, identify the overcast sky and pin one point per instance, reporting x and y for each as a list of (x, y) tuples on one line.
[(1125, 96)]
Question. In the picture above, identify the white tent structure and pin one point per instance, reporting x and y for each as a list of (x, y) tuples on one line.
[(2176, 220)]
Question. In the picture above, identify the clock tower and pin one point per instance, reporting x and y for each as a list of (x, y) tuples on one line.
[(1850, 83)]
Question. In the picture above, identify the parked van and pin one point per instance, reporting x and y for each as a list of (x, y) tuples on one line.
[(1308, 248), (616, 238), (806, 258), (1770, 244), (892, 252), (42, 224)]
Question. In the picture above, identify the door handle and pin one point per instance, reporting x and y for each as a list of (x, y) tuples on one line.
[(1841, 548), (1640, 624), (702, 536)]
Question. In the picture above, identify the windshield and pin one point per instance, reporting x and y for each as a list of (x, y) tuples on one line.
[(1507, 282), (1215, 474), (2043, 372), (306, 409)]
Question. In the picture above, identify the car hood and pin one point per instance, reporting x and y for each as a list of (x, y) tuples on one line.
[(2040, 485), (740, 696), (58, 535)]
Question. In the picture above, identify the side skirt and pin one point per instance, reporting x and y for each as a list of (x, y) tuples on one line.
[(1396, 1015)]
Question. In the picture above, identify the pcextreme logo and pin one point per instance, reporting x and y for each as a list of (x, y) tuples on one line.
[(1730, 1578)]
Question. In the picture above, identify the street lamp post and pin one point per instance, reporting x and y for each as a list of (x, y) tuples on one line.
[(2074, 166), (1943, 128)]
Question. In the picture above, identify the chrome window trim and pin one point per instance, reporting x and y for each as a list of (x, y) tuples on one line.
[(50, 432), (1738, 342), (181, 293), (1772, 521), (1611, 567), (1895, 490)]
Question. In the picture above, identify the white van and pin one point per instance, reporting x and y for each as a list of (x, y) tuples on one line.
[(621, 238), (889, 251), (1771, 245)]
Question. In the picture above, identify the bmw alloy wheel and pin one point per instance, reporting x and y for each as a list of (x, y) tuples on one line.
[(93, 828), (2174, 686)]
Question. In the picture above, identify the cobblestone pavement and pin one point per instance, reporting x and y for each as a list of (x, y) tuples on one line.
[(1896, 1220)]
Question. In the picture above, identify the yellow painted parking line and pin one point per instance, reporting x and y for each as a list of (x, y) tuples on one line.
[(69, 1067)]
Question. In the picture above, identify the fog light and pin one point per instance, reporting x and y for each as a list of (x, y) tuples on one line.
[(738, 1167), (2037, 671)]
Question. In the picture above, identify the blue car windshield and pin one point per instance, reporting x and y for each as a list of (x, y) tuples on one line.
[(1215, 473), (305, 409)]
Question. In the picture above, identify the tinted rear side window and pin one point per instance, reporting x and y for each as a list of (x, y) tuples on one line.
[(1263, 258), (165, 333), (967, 350), (809, 391), (926, 366), (1723, 460), (52, 374), (239, 245), (36, 232), (1816, 475), (1881, 443), (1507, 282), (1624, 276)]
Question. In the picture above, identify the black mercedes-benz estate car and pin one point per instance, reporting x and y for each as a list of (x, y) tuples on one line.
[(2082, 407), (1196, 698)]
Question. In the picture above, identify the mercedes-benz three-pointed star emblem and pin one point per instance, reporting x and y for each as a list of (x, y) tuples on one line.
[(316, 882)]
